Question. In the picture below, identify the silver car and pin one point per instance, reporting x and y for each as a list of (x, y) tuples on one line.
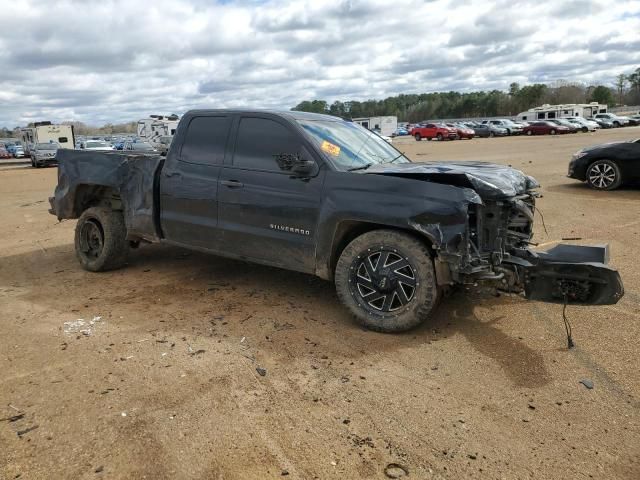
[(43, 154)]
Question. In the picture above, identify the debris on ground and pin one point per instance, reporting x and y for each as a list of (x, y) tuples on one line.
[(587, 383), (99, 469), (80, 326), (21, 433), (261, 371), (394, 470)]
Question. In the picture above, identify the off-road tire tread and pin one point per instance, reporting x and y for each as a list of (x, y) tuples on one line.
[(426, 293)]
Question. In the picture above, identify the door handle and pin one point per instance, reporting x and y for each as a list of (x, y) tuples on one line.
[(231, 183), (172, 174)]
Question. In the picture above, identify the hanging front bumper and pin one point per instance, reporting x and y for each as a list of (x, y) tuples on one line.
[(573, 274)]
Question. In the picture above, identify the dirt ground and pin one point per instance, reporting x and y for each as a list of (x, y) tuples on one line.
[(160, 381)]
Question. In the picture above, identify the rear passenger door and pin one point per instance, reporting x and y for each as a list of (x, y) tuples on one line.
[(189, 183), (266, 214)]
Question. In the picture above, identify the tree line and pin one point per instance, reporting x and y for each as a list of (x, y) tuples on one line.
[(493, 103)]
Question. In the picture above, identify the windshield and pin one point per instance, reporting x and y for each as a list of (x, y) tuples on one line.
[(349, 145), (46, 146), (97, 144)]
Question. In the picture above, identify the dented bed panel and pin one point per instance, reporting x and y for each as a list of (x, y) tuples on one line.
[(131, 177)]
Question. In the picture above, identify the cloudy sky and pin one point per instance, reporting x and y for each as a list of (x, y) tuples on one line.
[(111, 61)]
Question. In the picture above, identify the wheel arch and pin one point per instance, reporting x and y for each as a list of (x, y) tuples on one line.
[(348, 230), (91, 195)]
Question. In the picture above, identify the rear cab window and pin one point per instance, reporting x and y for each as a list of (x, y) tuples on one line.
[(205, 140)]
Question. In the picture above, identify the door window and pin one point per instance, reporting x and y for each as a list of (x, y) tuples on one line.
[(265, 144), (205, 140)]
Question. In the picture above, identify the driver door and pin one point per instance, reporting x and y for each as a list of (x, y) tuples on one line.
[(265, 213)]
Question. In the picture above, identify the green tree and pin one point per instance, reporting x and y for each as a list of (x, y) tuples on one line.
[(602, 94)]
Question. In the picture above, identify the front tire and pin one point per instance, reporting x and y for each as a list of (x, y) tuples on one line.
[(101, 239), (604, 175), (439, 137), (552, 132), (386, 279)]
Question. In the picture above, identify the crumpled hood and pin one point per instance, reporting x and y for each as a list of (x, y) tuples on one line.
[(487, 179)]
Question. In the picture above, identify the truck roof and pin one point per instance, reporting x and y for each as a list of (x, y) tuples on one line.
[(292, 114)]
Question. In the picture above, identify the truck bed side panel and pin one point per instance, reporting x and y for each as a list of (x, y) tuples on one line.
[(132, 177)]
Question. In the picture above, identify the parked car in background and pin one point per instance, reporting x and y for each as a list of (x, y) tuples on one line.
[(462, 130), (634, 120), (43, 154), (613, 118), (511, 127), (486, 130), (16, 150), (401, 132), (4, 153), (565, 123), (96, 146), (139, 147), (430, 131), (604, 123), (583, 124), (545, 127), (607, 166)]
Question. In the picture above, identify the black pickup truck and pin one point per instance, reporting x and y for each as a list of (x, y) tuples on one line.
[(324, 196)]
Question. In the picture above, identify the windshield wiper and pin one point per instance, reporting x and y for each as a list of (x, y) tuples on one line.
[(391, 161), (361, 167)]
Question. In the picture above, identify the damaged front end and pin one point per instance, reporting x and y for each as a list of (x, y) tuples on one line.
[(499, 251), (495, 245)]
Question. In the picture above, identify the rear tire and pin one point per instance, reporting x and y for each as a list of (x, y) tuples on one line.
[(529, 132), (400, 292), (552, 132), (101, 239), (604, 175), (417, 137)]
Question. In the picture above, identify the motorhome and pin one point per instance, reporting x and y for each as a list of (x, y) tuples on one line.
[(156, 126), (386, 126), (544, 112), (46, 132)]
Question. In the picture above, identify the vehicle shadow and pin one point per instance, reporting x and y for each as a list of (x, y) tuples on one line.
[(194, 288)]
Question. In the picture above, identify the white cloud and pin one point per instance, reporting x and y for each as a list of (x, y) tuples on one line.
[(110, 61)]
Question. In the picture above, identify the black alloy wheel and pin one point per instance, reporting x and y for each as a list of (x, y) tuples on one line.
[(382, 280)]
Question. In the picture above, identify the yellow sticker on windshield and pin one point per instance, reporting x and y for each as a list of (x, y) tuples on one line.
[(330, 148)]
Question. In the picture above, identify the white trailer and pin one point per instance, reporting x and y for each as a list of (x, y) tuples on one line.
[(156, 126), (544, 112), (46, 132), (386, 126)]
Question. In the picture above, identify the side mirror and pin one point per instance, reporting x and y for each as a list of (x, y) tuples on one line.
[(303, 168)]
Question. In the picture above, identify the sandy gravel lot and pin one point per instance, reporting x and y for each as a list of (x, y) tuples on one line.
[(160, 380)]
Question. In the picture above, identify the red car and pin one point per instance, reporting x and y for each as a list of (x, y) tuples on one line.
[(544, 128), (462, 131), (4, 153), (433, 130)]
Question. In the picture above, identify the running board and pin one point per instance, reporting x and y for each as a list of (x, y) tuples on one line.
[(572, 274)]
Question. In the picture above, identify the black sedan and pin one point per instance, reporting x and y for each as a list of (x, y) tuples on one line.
[(607, 166)]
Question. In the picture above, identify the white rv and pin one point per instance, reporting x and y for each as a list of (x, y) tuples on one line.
[(156, 126), (46, 132), (386, 126), (544, 112)]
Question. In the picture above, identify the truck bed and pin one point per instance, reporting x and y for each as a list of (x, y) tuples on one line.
[(132, 179)]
